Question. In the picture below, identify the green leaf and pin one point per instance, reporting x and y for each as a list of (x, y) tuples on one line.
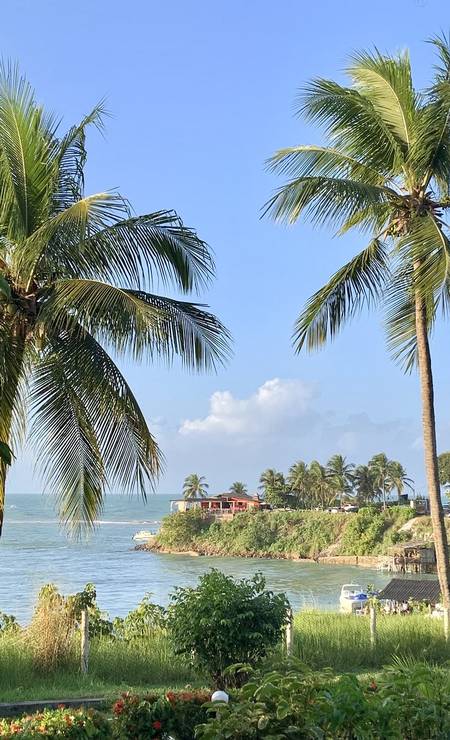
[(6, 455)]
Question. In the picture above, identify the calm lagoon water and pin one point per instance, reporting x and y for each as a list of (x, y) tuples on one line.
[(34, 551)]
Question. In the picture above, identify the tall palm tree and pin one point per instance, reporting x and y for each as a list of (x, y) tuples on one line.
[(238, 488), (363, 481), (386, 172), (322, 486), (195, 486), (380, 467), (299, 483), (76, 279), (340, 474), (399, 477), (273, 485)]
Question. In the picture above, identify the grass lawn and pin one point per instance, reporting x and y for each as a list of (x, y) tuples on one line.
[(321, 639)]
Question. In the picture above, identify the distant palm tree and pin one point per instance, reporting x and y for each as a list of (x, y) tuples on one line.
[(399, 477), (299, 483), (340, 474), (363, 480), (385, 171), (76, 279), (238, 488), (273, 485), (195, 486), (387, 475), (323, 490)]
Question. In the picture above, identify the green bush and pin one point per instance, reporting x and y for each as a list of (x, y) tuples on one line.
[(175, 714), (141, 622), (180, 529), (363, 533), (224, 622), (67, 723), (409, 701)]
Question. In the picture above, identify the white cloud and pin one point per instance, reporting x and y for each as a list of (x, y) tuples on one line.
[(276, 403)]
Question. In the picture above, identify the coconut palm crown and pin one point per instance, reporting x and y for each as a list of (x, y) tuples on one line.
[(195, 486), (77, 280), (384, 171)]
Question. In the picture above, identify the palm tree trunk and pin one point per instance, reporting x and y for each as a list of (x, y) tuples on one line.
[(431, 461)]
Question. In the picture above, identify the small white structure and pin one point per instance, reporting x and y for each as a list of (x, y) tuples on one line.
[(353, 598), (143, 536), (220, 696)]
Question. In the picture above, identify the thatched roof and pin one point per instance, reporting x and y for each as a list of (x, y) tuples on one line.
[(404, 589)]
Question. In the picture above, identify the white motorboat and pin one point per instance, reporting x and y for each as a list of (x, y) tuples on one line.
[(353, 598), (143, 536)]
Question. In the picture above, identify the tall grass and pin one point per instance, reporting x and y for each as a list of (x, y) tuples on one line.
[(342, 641), (114, 666)]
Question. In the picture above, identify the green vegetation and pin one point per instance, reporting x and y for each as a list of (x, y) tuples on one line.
[(408, 700), (342, 641), (77, 280), (303, 534), (224, 621)]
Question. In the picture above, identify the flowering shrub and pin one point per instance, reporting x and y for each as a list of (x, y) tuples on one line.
[(62, 723), (175, 714)]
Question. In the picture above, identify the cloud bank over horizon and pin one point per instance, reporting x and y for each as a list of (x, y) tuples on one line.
[(281, 421)]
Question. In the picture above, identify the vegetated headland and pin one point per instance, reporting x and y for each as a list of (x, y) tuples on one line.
[(352, 539)]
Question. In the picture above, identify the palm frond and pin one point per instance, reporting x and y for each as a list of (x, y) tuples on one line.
[(320, 161), (324, 200), (69, 158), (359, 283), (353, 125), (130, 455), (146, 325), (67, 445), (387, 83), (25, 144)]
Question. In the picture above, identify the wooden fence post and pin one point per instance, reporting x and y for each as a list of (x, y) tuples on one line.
[(289, 633), (373, 626), (446, 622), (84, 627)]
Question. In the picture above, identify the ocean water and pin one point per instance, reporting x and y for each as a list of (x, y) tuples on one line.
[(34, 551)]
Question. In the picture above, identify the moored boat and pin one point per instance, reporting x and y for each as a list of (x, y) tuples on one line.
[(353, 598), (143, 536)]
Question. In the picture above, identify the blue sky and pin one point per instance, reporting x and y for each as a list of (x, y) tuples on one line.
[(200, 95)]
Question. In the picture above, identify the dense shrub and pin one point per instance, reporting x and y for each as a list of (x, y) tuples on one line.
[(363, 533), (51, 630), (141, 622), (409, 701), (180, 529), (66, 723), (224, 622), (175, 714)]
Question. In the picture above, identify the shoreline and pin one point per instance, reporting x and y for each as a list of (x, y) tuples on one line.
[(362, 561)]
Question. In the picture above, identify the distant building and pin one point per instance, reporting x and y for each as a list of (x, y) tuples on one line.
[(403, 590), (223, 506)]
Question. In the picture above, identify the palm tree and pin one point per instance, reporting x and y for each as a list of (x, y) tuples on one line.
[(387, 475), (363, 481), (195, 486), (299, 483), (238, 489), (322, 486), (386, 171), (273, 485), (399, 477), (340, 474), (76, 275)]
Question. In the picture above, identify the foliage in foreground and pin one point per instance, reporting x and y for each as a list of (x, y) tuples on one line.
[(407, 701), (225, 621), (71, 724)]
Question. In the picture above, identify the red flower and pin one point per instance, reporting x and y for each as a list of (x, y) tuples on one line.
[(156, 724), (373, 686), (118, 707)]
